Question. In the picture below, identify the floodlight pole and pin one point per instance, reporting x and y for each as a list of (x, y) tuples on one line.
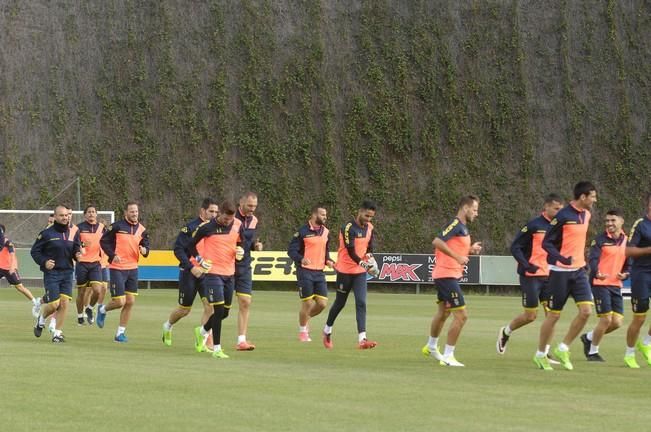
[(78, 193)]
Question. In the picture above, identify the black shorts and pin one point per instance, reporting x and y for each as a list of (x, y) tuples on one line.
[(124, 282), (535, 290), (311, 283), (189, 286), (449, 292), (243, 280), (640, 289), (12, 278), (87, 273), (563, 284), (57, 283), (219, 289), (608, 300), (346, 282), (105, 275)]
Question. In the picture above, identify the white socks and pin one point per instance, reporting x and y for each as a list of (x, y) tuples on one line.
[(302, 329), (432, 343), (630, 350), (327, 329), (563, 348), (241, 338), (647, 340), (167, 326), (361, 336), (449, 350), (594, 349), (121, 330), (507, 330)]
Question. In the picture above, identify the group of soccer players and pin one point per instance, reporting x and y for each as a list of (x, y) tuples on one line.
[(550, 251), (66, 253), (214, 252)]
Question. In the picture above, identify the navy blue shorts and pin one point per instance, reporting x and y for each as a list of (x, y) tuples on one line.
[(219, 289), (535, 290), (58, 283), (86, 273), (124, 282), (608, 300), (640, 289), (563, 284), (105, 275), (346, 282), (189, 286), (311, 283), (12, 278), (243, 280), (449, 292)]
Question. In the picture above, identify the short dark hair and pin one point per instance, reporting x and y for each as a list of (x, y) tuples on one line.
[(468, 200), (227, 208), (368, 205), (130, 203), (316, 207), (583, 188), (89, 206), (616, 212), (207, 202), (552, 197)]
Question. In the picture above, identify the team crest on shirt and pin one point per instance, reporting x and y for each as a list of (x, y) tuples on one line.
[(554, 221), (184, 230), (524, 229), (296, 234), (594, 242)]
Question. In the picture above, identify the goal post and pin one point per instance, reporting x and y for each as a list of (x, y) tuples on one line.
[(22, 227)]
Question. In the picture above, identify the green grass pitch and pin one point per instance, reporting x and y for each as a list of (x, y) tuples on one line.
[(92, 384)]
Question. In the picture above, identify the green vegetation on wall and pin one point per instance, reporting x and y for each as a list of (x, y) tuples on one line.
[(409, 103)]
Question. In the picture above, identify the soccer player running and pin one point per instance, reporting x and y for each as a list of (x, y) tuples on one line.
[(565, 243), (9, 270), (88, 271), (243, 275), (639, 249), (452, 247), (216, 246), (354, 260), (123, 243), (54, 251), (533, 270), (608, 268), (189, 284), (104, 264), (309, 250)]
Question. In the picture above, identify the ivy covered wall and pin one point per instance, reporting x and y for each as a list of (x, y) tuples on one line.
[(411, 103)]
